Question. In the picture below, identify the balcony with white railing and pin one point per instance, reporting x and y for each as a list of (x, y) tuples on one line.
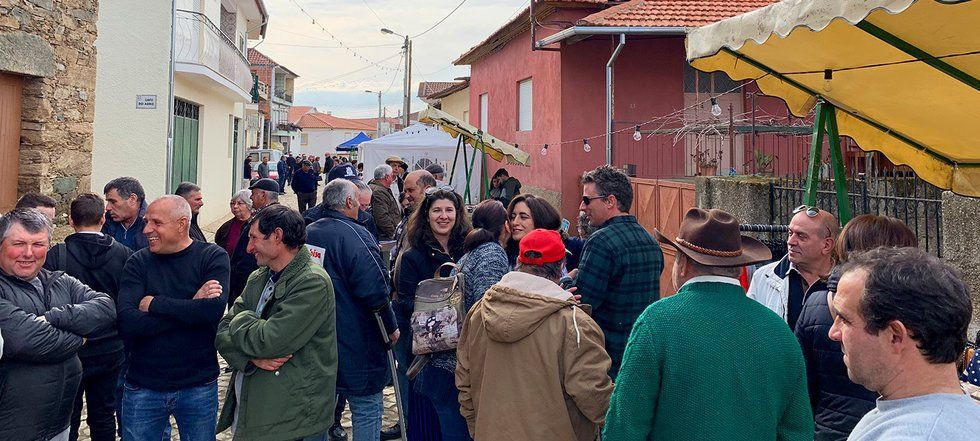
[(201, 48)]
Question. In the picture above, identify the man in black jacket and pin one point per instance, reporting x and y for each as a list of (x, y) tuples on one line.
[(305, 182), (45, 317), (170, 301), (96, 260), (192, 194)]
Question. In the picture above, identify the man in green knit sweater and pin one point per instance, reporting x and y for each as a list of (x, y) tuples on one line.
[(709, 363)]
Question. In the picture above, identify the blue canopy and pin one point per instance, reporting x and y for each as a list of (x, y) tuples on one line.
[(352, 143)]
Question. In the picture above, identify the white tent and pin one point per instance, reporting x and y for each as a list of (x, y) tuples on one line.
[(420, 146)]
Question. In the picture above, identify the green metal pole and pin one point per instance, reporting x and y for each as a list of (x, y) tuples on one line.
[(452, 173), (837, 162), (486, 182), (816, 150)]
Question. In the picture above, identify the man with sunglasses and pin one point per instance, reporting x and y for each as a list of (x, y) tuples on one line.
[(619, 273), (783, 286)]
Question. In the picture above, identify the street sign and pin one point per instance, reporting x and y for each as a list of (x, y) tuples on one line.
[(146, 101)]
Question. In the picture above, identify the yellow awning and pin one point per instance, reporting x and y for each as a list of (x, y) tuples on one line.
[(904, 77), (494, 147)]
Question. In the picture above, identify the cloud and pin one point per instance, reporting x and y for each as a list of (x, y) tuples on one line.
[(333, 78)]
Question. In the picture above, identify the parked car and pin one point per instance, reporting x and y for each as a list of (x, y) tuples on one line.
[(274, 157)]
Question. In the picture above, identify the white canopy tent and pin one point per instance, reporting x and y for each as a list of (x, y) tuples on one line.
[(420, 146)]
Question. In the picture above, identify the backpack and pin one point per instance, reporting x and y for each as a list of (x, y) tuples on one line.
[(438, 316)]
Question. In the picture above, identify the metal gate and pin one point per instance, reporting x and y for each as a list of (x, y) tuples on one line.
[(186, 133)]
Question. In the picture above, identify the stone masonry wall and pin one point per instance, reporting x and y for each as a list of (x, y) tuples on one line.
[(52, 43)]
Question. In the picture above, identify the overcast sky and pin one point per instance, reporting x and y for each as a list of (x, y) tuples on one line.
[(332, 79)]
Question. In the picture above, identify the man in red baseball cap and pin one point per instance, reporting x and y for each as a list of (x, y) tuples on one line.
[(539, 349)]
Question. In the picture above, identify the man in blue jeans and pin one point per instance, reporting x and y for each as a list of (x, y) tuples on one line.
[(171, 299), (352, 258)]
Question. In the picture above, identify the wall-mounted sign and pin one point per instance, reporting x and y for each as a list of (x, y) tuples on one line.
[(146, 101)]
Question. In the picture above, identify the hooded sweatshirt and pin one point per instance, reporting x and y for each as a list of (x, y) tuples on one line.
[(545, 358), (96, 260)]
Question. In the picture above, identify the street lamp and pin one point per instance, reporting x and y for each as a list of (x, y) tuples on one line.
[(408, 74), (377, 135)]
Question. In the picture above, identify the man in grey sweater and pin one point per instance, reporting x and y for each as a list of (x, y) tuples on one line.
[(901, 316)]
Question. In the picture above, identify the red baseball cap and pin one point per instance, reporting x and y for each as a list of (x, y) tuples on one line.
[(541, 246)]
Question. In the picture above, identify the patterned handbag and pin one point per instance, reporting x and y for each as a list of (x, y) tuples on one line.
[(971, 363), (438, 314)]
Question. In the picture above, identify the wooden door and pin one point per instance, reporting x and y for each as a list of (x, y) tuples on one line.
[(11, 94), (661, 204)]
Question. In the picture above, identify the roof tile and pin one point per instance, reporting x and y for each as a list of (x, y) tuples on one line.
[(680, 13), (325, 121)]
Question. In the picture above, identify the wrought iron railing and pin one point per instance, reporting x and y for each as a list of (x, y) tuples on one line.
[(198, 40)]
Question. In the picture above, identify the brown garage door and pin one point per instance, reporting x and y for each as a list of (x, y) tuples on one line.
[(10, 106)]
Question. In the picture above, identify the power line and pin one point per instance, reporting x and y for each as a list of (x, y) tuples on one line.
[(350, 51), (328, 80), (332, 47), (440, 21), (375, 14)]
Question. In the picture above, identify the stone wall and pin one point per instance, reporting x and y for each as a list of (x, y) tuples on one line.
[(52, 44), (961, 242), (553, 197)]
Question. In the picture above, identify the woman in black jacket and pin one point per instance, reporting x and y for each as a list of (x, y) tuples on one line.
[(838, 403), (436, 232)]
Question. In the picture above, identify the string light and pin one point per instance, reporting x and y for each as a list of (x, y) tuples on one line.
[(637, 136), (586, 146), (827, 76), (715, 108), (544, 150)]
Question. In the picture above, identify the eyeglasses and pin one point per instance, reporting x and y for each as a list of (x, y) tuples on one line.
[(587, 200), (432, 190), (811, 212)]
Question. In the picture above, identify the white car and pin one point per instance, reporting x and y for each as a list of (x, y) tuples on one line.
[(274, 157)]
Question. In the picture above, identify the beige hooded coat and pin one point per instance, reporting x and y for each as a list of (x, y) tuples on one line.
[(532, 365)]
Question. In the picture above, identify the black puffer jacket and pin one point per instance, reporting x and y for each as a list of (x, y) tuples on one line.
[(40, 371), (838, 404)]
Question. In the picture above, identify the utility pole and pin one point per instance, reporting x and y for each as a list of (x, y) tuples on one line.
[(378, 134), (408, 81)]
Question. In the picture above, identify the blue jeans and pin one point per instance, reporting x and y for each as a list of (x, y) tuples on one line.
[(146, 413), (439, 385), (365, 416)]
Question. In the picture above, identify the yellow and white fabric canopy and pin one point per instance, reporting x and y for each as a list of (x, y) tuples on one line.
[(903, 74), (494, 147)]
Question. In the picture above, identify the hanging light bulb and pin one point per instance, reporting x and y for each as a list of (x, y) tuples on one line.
[(586, 146), (637, 135), (827, 76), (544, 150), (715, 108)]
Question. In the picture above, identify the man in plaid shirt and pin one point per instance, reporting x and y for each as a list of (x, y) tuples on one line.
[(619, 273)]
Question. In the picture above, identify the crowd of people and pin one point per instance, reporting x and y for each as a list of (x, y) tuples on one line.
[(503, 324)]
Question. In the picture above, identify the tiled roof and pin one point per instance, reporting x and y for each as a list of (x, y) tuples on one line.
[(456, 87), (428, 88), (256, 58), (679, 13), (520, 24), (325, 121), (296, 112)]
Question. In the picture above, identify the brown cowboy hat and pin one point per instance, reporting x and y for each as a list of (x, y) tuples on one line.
[(396, 160), (711, 237)]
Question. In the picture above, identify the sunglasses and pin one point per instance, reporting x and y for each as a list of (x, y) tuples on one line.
[(432, 190), (587, 200), (811, 212)]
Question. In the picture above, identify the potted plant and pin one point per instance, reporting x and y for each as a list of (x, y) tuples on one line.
[(763, 162), (706, 161)]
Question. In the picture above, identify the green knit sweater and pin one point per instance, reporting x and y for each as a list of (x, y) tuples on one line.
[(710, 364)]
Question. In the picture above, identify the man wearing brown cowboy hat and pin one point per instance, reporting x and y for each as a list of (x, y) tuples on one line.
[(709, 363), (400, 168)]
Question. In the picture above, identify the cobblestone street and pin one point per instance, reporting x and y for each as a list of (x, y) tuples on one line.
[(390, 413)]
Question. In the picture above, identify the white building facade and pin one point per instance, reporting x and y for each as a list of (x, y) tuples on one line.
[(211, 87)]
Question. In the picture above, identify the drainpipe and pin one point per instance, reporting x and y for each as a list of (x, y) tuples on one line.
[(168, 179), (609, 97), (272, 97)]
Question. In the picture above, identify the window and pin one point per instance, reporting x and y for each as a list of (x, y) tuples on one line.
[(304, 139), (524, 105), (484, 111), (703, 82)]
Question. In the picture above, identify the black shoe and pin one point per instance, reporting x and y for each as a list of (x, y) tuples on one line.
[(394, 432), (337, 433)]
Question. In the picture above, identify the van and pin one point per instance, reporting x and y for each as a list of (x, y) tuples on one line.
[(257, 155)]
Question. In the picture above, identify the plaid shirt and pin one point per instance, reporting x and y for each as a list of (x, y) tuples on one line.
[(619, 276)]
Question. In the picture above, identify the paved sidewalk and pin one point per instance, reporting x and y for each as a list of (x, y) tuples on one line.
[(390, 413)]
